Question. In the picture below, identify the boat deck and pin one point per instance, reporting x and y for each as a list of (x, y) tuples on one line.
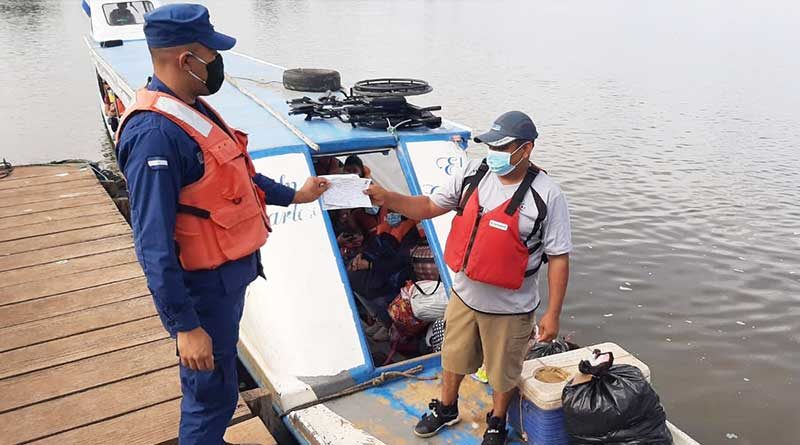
[(83, 355)]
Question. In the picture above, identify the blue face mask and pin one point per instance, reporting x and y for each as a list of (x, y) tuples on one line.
[(393, 219), (372, 210), (499, 162)]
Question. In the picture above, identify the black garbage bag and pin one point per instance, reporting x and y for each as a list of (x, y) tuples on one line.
[(616, 407), (545, 348)]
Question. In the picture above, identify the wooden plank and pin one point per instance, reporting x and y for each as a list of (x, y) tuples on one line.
[(250, 431), (64, 238), (97, 404), (28, 311), (49, 189), (66, 267), (33, 171), (76, 347), (25, 198), (68, 283), (53, 254), (76, 323), (54, 178), (84, 374), (162, 421), (45, 206), (57, 215), (162, 425), (14, 233)]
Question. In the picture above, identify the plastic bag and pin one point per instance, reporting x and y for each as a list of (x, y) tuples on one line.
[(402, 315), (545, 348), (428, 300), (618, 407)]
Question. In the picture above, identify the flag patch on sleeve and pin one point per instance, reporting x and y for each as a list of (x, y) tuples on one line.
[(157, 163)]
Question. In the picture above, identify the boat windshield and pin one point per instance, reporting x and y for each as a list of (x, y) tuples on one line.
[(126, 13)]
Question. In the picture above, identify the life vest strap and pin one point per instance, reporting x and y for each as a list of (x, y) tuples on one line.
[(469, 186), (532, 272), (522, 190), (541, 208), (194, 211)]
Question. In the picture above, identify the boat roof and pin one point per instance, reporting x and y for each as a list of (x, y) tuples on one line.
[(263, 80)]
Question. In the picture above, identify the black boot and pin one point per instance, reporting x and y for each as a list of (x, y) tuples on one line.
[(496, 432), (439, 417)]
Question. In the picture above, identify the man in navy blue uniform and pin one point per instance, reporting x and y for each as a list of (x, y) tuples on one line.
[(200, 308)]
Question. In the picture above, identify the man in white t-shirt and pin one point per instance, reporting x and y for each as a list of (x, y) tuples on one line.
[(511, 218)]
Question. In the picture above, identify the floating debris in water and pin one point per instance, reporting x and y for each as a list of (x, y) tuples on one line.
[(627, 283), (626, 288), (63, 174), (589, 246), (741, 323), (731, 436), (62, 262), (746, 379), (638, 305), (738, 270), (669, 325), (608, 315), (688, 321), (741, 258), (27, 210), (669, 339)]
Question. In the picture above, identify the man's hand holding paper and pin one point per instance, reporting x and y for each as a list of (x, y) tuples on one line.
[(345, 192)]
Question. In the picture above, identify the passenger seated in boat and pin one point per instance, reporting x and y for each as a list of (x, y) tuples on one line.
[(383, 266), (354, 166), (122, 15), (328, 165)]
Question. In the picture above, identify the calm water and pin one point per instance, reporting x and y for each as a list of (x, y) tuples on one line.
[(672, 126)]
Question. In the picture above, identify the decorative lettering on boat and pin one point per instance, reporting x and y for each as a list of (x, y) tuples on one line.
[(295, 212)]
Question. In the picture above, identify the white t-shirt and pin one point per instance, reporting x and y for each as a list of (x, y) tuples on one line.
[(556, 238)]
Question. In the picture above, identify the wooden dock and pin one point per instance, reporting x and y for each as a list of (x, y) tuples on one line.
[(83, 355)]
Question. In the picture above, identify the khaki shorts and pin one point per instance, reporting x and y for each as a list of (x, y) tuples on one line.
[(472, 338)]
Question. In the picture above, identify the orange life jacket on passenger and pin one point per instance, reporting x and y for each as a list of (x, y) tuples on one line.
[(222, 216), (487, 246), (399, 231)]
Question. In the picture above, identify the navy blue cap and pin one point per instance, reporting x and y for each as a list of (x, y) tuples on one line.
[(179, 24), (507, 128)]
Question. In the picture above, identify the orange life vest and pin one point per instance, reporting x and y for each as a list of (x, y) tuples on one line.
[(487, 246), (399, 231), (222, 216)]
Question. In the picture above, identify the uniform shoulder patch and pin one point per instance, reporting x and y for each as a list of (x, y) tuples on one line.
[(157, 162)]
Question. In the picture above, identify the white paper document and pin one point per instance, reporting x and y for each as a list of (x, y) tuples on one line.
[(345, 192)]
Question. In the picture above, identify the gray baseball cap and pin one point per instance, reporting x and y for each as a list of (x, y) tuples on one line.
[(508, 128)]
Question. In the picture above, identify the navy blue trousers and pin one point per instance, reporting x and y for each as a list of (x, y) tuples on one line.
[(210, 397)]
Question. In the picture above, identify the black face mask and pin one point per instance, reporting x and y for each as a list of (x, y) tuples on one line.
[(216, 73)]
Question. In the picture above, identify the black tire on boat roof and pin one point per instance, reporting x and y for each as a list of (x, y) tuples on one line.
[(312, 79), (391, 87)]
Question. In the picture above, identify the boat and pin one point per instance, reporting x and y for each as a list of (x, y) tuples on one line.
[(301, 336)]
